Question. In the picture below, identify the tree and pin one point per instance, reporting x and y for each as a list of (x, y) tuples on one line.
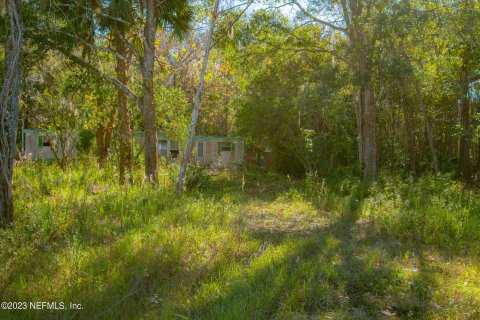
[(148, 99), (196, 106), (58, 104), (150, 14), (464, 20), (122, 11), (101, 97), (9, 107), (355, 16)]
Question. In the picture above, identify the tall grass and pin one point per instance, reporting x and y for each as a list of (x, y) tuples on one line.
[(239, 245), (432, 210)]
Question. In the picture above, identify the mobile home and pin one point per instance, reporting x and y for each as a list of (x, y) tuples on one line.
[(36, 144), (219, 151), (166, 147)]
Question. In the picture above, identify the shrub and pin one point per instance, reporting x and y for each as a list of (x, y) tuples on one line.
[(197, 177), (431, 210), (85, 140)]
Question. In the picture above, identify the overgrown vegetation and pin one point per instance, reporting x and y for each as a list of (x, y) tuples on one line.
[(249, 245), (374, 104)]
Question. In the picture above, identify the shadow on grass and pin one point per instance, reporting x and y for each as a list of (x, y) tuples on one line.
[(335, 270), (325, 273)]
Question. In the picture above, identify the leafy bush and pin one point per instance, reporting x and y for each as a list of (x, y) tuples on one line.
[(197, 177), (431, 210), (85, 140)]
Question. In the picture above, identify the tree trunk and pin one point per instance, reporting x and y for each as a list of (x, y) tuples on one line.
[(369, 133), (196, 107), (108, 139), (428, 128), (103, 139), (125, 145), (358, 116), (368, 113), (147, 100), (100, 141), (409, 127), (9, 108), (465, 137)]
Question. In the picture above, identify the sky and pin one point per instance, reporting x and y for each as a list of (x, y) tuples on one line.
[(287, 10)]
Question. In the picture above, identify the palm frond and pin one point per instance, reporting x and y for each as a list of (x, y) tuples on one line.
[(176, 15)]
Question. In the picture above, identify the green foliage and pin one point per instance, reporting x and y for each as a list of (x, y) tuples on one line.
[(85, 140), (254, 245), (298, 108), (172, 111), (198, 177), (251, 244), (432, 210)]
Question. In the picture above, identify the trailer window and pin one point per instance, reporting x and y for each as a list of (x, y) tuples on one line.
[(43, 142), (200, 149), (225, 146), (163, 148)]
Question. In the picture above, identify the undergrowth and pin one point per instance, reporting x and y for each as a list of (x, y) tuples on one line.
[(240, 245)]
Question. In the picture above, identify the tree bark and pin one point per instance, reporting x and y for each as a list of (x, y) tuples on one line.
[(369, 133), (103, 139), (196, 106), (9, 108), (100, 141), (465, 137), (367, 99), (358, 117), (353, 13), (147, 100), (125, 133)]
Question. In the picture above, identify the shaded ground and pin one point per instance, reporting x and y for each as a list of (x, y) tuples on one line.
[(268, 248)]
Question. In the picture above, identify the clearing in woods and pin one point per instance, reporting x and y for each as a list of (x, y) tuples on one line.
[(274, 248)]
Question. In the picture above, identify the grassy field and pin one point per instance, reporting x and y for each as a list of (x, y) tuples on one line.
[(244, 245)]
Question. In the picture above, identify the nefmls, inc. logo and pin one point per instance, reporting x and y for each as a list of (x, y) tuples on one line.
[(42, 305)]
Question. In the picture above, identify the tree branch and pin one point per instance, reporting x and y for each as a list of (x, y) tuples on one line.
[(325, 23), (94, 47), (114, 81)]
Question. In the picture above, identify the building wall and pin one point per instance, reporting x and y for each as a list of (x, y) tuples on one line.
[(240, 154), (31, 146), (140, 139), (213, 156)]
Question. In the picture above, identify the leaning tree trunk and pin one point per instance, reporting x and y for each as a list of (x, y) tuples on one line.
[(9, 108), (196, 107), (147, 99), (125, 147), (465, 137)]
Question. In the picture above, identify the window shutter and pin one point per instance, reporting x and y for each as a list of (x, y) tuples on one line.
[(40, 141)]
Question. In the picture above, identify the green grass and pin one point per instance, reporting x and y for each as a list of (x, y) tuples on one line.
[(273, 248)]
